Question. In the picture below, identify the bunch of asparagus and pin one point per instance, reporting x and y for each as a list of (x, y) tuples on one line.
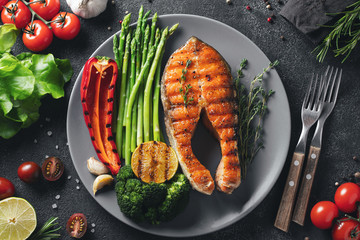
[(138, 54)]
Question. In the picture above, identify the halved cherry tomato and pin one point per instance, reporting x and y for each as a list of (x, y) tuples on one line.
[(323, 214), (346, 197), (47, 9), (37, 36), (65, 25), (52, 168), (76, 225), (16, 12), (7, 189), (29, 172), (346, 229)]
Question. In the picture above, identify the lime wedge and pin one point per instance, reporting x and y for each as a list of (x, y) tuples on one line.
[(17, 219)]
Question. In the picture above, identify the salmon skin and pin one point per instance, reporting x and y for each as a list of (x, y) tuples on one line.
[(212, 95)]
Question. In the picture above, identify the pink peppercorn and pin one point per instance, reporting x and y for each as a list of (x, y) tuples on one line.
[(270, 20), (248, 7), (120, 21)]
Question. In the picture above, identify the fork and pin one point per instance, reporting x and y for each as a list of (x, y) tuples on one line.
[(329, 97), (310, 112)]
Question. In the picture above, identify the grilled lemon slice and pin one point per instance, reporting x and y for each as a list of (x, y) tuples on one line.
[(154, 162)]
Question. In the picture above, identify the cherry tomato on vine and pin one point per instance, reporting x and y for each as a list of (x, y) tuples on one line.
[(346, 229), (16, 13), (76, 225), (3, 2), (346, 197), (29, 172), (65, 25), (323, 214), (7, 189), (37, 36), (47, 9)]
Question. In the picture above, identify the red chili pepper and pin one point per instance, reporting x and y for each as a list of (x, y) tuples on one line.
[(97, 98)]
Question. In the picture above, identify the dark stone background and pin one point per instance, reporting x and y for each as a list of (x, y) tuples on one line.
[(340, 144)]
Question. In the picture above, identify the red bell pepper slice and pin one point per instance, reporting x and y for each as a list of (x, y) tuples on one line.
[(97, 98)]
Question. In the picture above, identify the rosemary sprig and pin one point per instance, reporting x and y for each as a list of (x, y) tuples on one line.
[(252, 108), (348, 28), (47, 232)]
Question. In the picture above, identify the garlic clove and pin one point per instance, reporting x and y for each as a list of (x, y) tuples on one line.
[(101, 181), (96, 167)]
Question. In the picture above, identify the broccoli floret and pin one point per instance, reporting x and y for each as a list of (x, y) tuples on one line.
[(131, 205), (125, 173), (176, 199), (151, 201), (119, 188), (152, 216), (134, 185), (154, 194)]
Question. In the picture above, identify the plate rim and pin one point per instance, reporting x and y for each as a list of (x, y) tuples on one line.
[(255, 203)]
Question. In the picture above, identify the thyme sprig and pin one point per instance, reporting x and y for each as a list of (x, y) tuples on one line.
[(47, 232), (182, 80), (185, 95), (252, 108), (348, 28)]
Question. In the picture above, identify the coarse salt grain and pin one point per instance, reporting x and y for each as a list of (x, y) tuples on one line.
[(49, 133), (46, 156), (78, 187), (57, 197), (54, 206), (56, 146), (47, 119), (93, 225), (35, 141), (77, 180), (92, 230), (69, 177)]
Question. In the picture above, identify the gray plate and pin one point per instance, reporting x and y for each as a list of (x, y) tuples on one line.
[(204, 214)]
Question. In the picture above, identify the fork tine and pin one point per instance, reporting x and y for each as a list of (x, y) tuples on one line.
[(328, 99), (311, 102), (306, 98), (320, 93), (336, 90), (328, 80)]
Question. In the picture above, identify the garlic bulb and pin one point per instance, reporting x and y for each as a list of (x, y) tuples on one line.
[(87, 8), (96, 167)]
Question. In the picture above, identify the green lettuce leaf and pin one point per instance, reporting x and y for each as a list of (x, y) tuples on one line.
[(8, 128), (65, 67), (49, 79), (17, 82), (8, 35)]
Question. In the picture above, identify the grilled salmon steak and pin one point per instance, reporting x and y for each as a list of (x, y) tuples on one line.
[(197, 81)]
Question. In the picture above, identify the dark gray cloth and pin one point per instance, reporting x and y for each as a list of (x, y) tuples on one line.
[(309, 15)]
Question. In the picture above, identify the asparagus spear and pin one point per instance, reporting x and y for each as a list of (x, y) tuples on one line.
[(132, 100), (156, 97), (149, 83), (140, 131), (118, 49), (156, 125), (132, 82), (153, 29), (119, 127)]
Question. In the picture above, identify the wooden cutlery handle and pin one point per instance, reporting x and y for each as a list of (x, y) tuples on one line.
[(283, 217), (306, 185)]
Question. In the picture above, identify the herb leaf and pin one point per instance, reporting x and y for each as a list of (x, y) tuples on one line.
[(252, 108), (47, 232), (347, 27)]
